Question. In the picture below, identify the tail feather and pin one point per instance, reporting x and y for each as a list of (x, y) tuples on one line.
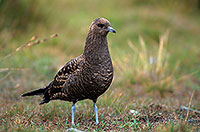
[(35, 92), (44, 101), (41, 91)]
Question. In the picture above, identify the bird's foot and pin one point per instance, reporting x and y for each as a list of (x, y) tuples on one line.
[(97, 122), (72, 123)]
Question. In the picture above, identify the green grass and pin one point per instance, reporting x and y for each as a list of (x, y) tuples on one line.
[(35, 66)]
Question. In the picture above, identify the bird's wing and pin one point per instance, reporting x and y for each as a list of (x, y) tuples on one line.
[(65, 71), (54, 88)]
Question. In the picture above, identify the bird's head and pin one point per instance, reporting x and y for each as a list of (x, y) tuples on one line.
[(101, 26)]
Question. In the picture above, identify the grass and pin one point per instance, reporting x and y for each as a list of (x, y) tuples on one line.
[(150, 70), (154, 75)]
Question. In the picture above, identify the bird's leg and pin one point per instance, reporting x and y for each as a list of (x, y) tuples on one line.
[(73, 111), (96, 113)]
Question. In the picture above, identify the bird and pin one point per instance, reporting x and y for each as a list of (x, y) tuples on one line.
[(85, 77)]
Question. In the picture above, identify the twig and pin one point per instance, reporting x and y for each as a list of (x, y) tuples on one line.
[(189, 107), (19, 48), (30, 43), (11, 69)]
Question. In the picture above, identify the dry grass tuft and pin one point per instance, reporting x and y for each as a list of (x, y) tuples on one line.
[(33, 41), (150, 70)]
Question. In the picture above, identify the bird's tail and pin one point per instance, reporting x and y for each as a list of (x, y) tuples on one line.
[(40, 91)]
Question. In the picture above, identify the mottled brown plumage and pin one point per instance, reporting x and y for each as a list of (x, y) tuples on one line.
[(86, 77)]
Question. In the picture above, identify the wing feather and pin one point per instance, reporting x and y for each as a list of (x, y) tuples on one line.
[(64, 74)]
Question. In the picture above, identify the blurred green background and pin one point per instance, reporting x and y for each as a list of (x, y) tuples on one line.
[(22, 19)]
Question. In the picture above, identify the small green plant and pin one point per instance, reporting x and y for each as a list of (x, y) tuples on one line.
[(148, 69)]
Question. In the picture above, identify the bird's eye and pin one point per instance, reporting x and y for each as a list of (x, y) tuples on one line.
[(100, 25)]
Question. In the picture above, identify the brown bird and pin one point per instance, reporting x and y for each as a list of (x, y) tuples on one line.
[(87, 76)]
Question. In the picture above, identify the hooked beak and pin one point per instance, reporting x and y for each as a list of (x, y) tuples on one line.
[(110, 29)]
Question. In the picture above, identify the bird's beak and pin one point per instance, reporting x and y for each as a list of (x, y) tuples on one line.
[(110, 29)]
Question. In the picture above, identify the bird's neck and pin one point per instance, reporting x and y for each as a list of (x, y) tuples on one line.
[(95, 44), (96, 47)]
